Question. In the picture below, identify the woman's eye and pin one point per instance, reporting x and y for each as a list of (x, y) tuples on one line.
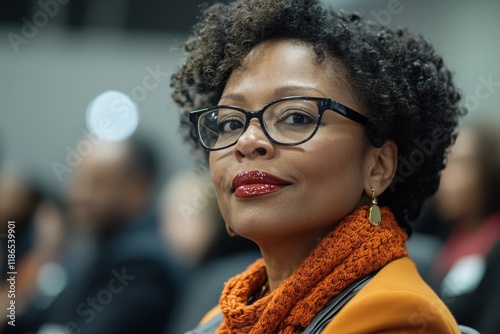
[(296, 118), (230, 125)]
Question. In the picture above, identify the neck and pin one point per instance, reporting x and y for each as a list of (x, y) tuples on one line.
[(282, 257)]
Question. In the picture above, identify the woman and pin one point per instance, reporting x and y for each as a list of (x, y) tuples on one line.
[(315, 108), (468, 267)]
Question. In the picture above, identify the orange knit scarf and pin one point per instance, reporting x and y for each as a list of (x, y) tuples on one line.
[(354, 249)]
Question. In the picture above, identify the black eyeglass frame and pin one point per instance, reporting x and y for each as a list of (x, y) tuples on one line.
[(323, 105)]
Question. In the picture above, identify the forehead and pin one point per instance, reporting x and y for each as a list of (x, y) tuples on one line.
[(274, 68)]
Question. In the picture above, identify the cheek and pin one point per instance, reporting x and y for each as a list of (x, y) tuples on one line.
[(334, 163), (333, 177), (218, 172), (215, 171)]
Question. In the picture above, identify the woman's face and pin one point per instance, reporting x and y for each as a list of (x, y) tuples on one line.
[(322, 179), (459, 196)]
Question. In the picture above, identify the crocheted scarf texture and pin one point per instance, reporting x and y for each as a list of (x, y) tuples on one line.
[(354, 249)]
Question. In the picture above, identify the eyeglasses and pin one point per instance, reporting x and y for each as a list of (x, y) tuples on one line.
[(288, 121)]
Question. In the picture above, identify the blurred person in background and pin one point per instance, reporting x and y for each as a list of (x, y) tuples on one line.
[(19, 198), (467, 270), (194, 232), (189, 218), (37, 228), (128, 287), (427, 239)]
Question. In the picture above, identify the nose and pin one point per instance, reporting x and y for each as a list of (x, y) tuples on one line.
[(254, 143)]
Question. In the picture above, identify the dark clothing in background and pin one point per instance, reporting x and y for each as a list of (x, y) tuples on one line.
[(466, 275), (480, 308), (202, 289), (128, 288)]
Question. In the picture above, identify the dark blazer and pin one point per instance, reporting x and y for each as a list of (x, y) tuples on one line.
[(128, 288)]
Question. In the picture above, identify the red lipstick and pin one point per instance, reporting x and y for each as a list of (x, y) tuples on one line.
[(256, 183)]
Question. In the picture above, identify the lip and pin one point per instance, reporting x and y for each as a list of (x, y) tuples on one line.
[(256, 183)]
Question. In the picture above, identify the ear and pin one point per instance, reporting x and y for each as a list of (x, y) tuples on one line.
[(382, 167)]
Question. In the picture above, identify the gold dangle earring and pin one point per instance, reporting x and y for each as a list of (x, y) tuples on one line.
[(230, 231), (374, 215)]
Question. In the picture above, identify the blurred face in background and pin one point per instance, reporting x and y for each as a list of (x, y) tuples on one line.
[(17, 200), (97, 190), (460, 195), (190, 219)]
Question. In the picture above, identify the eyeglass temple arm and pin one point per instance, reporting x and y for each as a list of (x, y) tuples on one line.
[(348, 112)]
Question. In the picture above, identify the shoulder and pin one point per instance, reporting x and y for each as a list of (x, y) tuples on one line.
[(396, 300)]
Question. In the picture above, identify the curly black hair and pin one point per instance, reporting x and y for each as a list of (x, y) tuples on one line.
[(396, 74)]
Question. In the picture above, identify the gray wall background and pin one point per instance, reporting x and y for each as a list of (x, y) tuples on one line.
[(46, 86)]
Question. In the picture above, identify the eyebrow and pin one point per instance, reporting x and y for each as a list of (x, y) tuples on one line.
[(278, 91), (289, 89), (233, 96)]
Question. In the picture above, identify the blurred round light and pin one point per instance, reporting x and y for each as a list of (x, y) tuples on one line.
[(112, 116), (52, 279)]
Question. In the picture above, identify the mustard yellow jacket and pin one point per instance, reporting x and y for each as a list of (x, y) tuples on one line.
[(395, 301)]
